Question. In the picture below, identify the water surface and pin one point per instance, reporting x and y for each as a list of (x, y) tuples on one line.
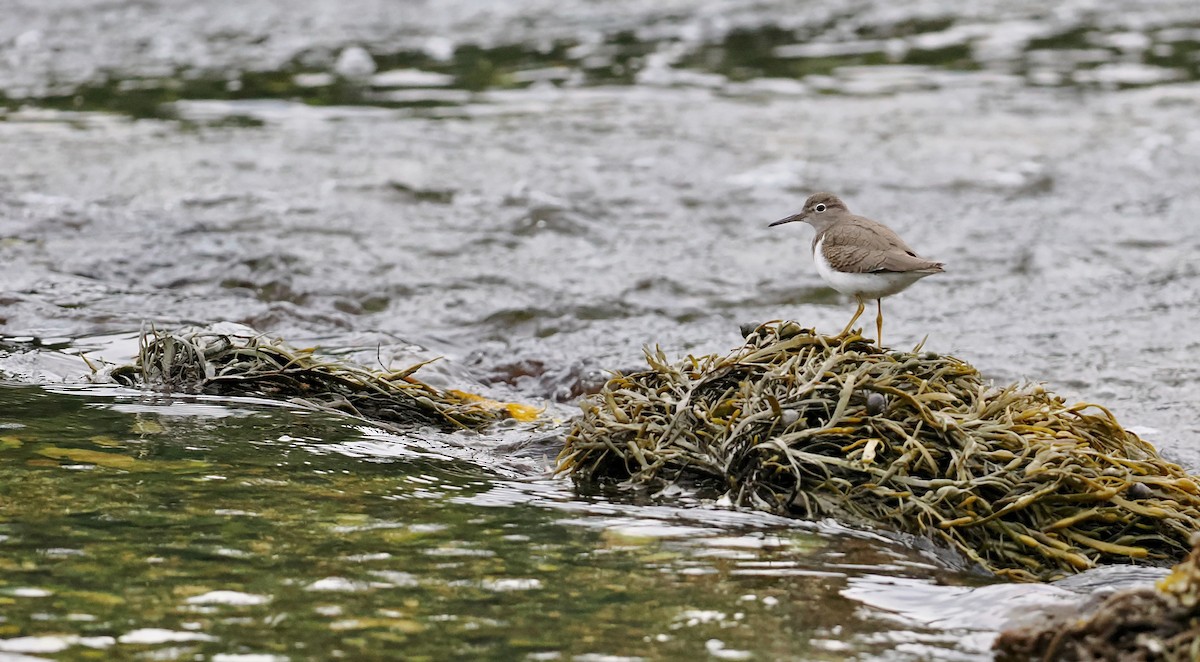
[(138, 525), (534, 191)]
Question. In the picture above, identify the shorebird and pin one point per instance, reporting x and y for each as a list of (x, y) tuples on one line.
[(858, 256)]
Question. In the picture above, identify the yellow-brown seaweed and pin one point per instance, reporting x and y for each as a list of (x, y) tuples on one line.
[(254, 365), (1024, 484)]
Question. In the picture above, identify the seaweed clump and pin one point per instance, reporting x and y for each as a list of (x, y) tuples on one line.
[(1024, 484), (1160, 623), (234, 364)]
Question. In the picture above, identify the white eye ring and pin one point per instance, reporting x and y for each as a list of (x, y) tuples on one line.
[(819, 208)]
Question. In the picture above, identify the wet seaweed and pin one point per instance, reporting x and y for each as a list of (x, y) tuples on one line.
[(1022, 483), (224, 364), (1160, 623)]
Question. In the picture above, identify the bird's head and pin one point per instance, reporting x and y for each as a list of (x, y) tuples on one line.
[(820, 210)]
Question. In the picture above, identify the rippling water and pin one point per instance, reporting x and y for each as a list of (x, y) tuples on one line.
[(534, 191), (188, 527)]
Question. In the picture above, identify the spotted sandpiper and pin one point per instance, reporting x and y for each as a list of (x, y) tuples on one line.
[(858, 256)]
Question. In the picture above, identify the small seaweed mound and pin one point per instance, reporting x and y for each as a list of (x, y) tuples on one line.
[(1137, 624), (796, 423), (205, 361)]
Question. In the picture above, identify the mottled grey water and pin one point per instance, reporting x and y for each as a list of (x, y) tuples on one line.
[(536, 190)]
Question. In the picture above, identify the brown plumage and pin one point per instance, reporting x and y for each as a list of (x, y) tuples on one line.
[(858, 256), (861, 245)]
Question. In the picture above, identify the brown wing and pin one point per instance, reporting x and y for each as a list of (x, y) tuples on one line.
[(861, 245)]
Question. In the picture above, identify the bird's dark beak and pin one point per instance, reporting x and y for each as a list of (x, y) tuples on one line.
[(789, 219)]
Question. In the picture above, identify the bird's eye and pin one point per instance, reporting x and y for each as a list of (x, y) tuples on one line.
[(819, 208)]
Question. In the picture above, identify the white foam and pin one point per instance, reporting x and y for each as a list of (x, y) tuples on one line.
[(235, 598), (354, 62), (48, 644), (411, 78), (511, 584), (29, 592), (337, 584), (1128, 73), (716, 648), (161, 636)]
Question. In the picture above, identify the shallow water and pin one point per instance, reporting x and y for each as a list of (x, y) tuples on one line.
[(136, 524), (534, 191)]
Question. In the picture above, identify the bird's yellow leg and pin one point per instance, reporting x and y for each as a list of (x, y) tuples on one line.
[(879, 322), (861, 307)]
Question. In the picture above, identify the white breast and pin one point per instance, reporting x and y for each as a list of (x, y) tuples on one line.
[(868, 285)]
